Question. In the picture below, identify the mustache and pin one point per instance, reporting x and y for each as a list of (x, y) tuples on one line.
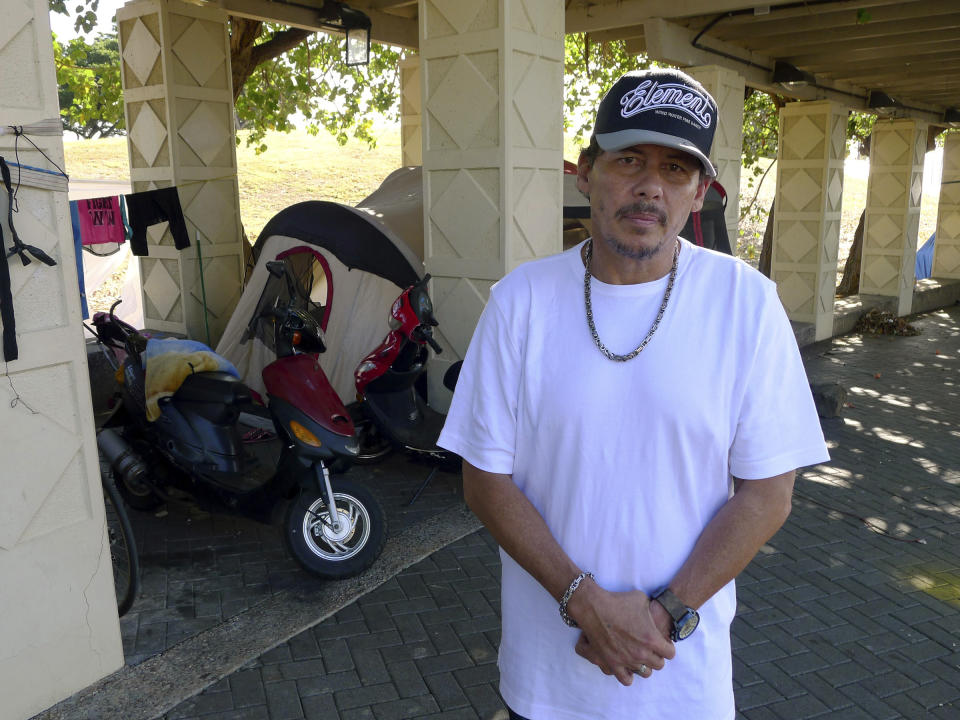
[(645, 208)]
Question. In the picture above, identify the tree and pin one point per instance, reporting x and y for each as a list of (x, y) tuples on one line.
[(589, 68), (278, 73), (86, 12), (282, 72), (88, 80)]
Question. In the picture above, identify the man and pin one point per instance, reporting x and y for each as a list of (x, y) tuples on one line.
[(630, 414)]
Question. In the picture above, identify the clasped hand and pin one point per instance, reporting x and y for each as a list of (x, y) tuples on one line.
[(622, 632)]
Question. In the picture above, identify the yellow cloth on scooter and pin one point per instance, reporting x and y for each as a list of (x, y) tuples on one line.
[(168, 363)]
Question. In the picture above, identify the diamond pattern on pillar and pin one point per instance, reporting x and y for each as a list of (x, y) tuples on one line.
[(950, 224), (199, 53), (536, 213), (797, 242), (916, 189), (463, 101), (803, 137), (880, 271), (468, 302), (141, 51), (161, 289), (411, 91), (221, 280), (799, 189), (948, 258), (34, 436), (920, 147), (533, 99), (14, 20), (883, 231), (835, 190), (887, 189), (211, 210), (794, 292), (950, 192), (839, 136), (204, 132), (891, 148), (462, 216), (458, 13), (148, 133)]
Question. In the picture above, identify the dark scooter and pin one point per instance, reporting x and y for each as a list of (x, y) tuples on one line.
[(197, 445), (391, 412)]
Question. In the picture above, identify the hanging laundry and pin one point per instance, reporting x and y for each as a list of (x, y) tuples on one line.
[(100, 220), (152, 207)]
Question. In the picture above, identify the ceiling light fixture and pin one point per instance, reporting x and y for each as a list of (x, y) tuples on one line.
[(882, 102), (354, 24), (789, 76)]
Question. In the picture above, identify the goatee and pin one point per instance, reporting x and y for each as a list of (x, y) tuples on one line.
[(634, 253)]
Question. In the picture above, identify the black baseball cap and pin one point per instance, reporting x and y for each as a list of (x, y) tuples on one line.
[(658, 106)]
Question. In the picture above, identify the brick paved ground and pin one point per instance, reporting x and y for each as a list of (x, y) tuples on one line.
[(851, 611), (199, 569)]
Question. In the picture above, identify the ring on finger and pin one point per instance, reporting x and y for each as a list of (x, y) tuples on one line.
[(642, 671)]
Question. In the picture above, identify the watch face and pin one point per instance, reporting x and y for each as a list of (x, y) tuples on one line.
[(687, 624)]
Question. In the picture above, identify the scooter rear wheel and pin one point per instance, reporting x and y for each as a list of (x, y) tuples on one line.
[(327, 552)]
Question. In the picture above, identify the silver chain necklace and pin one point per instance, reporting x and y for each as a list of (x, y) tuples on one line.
[(653, 328)]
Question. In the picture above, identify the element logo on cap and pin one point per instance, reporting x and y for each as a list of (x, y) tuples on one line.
[(650, 95)]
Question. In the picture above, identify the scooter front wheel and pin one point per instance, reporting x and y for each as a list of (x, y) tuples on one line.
[(329, 551)]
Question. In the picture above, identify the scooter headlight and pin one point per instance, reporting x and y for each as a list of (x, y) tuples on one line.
[(304, 435)]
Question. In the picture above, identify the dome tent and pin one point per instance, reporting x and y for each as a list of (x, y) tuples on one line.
[(352, 262)]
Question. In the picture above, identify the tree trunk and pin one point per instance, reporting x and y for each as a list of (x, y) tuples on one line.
[(245, 55), (766, 249), (850, 282)]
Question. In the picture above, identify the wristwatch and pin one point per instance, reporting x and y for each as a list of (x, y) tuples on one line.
[(685, 619)]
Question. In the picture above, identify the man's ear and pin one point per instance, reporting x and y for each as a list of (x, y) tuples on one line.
[(583, 174), (705, 182)]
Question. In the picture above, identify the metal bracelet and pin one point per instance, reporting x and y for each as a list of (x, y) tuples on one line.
[(569, 594)]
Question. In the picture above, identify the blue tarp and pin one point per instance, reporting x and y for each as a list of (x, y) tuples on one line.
[(924, 266)]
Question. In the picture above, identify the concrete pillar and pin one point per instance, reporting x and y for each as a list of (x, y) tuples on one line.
[(946, 254), (58, 630), (178, 101), (892, 222), (727, 87), (492, 151), (806, 231), (411, 127)]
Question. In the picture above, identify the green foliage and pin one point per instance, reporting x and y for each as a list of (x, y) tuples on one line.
[(86, 12), (859, 127), (589, 69), (312, 82), (88, 80)]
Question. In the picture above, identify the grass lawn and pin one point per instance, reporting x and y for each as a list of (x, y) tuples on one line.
[(298, 166), (295, 167)]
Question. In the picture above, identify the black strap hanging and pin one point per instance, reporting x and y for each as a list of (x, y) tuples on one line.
[(10, 350), (19, 247)]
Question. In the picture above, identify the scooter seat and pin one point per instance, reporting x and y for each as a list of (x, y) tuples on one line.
[(213, 387)]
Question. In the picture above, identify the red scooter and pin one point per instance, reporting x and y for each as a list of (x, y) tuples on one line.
[(391, 412), (201, 441)]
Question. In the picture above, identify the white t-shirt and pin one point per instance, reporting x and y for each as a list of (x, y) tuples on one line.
[(627, 462)]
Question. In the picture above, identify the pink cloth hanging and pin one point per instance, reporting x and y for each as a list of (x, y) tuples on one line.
[(100, 221)]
